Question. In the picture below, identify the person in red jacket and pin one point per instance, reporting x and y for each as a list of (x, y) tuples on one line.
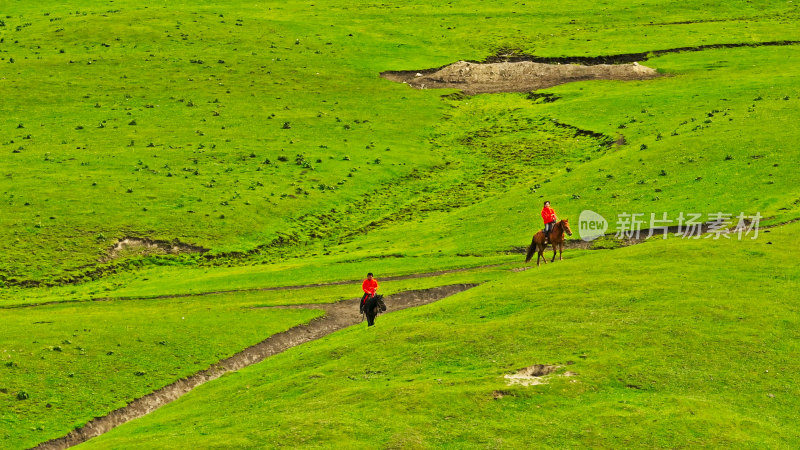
[(369, 286), (549, 217)]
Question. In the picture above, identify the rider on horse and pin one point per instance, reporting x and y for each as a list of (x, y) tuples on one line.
[(369, 286), (550, 219), (553, 233)]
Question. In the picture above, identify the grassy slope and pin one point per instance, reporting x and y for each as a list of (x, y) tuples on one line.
[(77, 362), (276, 60), (62, 360), (330, 74), (699, 177), (202, 166), (748, 117), (158, 281), (703, 353)]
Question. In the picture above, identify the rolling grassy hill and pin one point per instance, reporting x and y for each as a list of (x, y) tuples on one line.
[(669, 343), (242, 127), (263, 133)]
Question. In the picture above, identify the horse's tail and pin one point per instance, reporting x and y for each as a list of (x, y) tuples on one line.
[(531, 249)]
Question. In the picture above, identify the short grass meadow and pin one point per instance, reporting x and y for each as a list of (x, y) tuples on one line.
[(264, 133)]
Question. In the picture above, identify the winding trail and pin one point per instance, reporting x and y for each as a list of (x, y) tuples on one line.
[(256, 289), (337, 316), (573, 243)]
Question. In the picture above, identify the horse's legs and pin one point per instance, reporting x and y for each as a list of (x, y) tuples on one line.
[(540, 248), (555, 250), (560, 251)]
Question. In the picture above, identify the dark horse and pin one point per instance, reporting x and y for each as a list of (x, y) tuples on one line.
[(372, 307), (556, 238)]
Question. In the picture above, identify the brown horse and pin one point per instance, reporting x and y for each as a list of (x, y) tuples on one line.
[(556, 238)]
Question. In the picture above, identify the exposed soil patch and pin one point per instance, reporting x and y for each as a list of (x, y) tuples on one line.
[(530, 376), (135, 246), (535, 374), (337, 316), (497, 395), (432, 78), (522, 76)]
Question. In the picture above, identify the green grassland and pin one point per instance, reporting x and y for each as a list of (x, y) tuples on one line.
[(693, 146), (264, 133), (75, 362), (704, 353), (238, 127), (160, 281), (78, 360)]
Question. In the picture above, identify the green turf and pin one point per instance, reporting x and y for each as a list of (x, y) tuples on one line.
[(160, 281), (85, 359), (76, 362), (728, 154), (705, 354), (114, 107), (264, 133)]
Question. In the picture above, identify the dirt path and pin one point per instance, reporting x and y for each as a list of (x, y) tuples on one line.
[(572, 243), (262, 289), (337, 316)]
